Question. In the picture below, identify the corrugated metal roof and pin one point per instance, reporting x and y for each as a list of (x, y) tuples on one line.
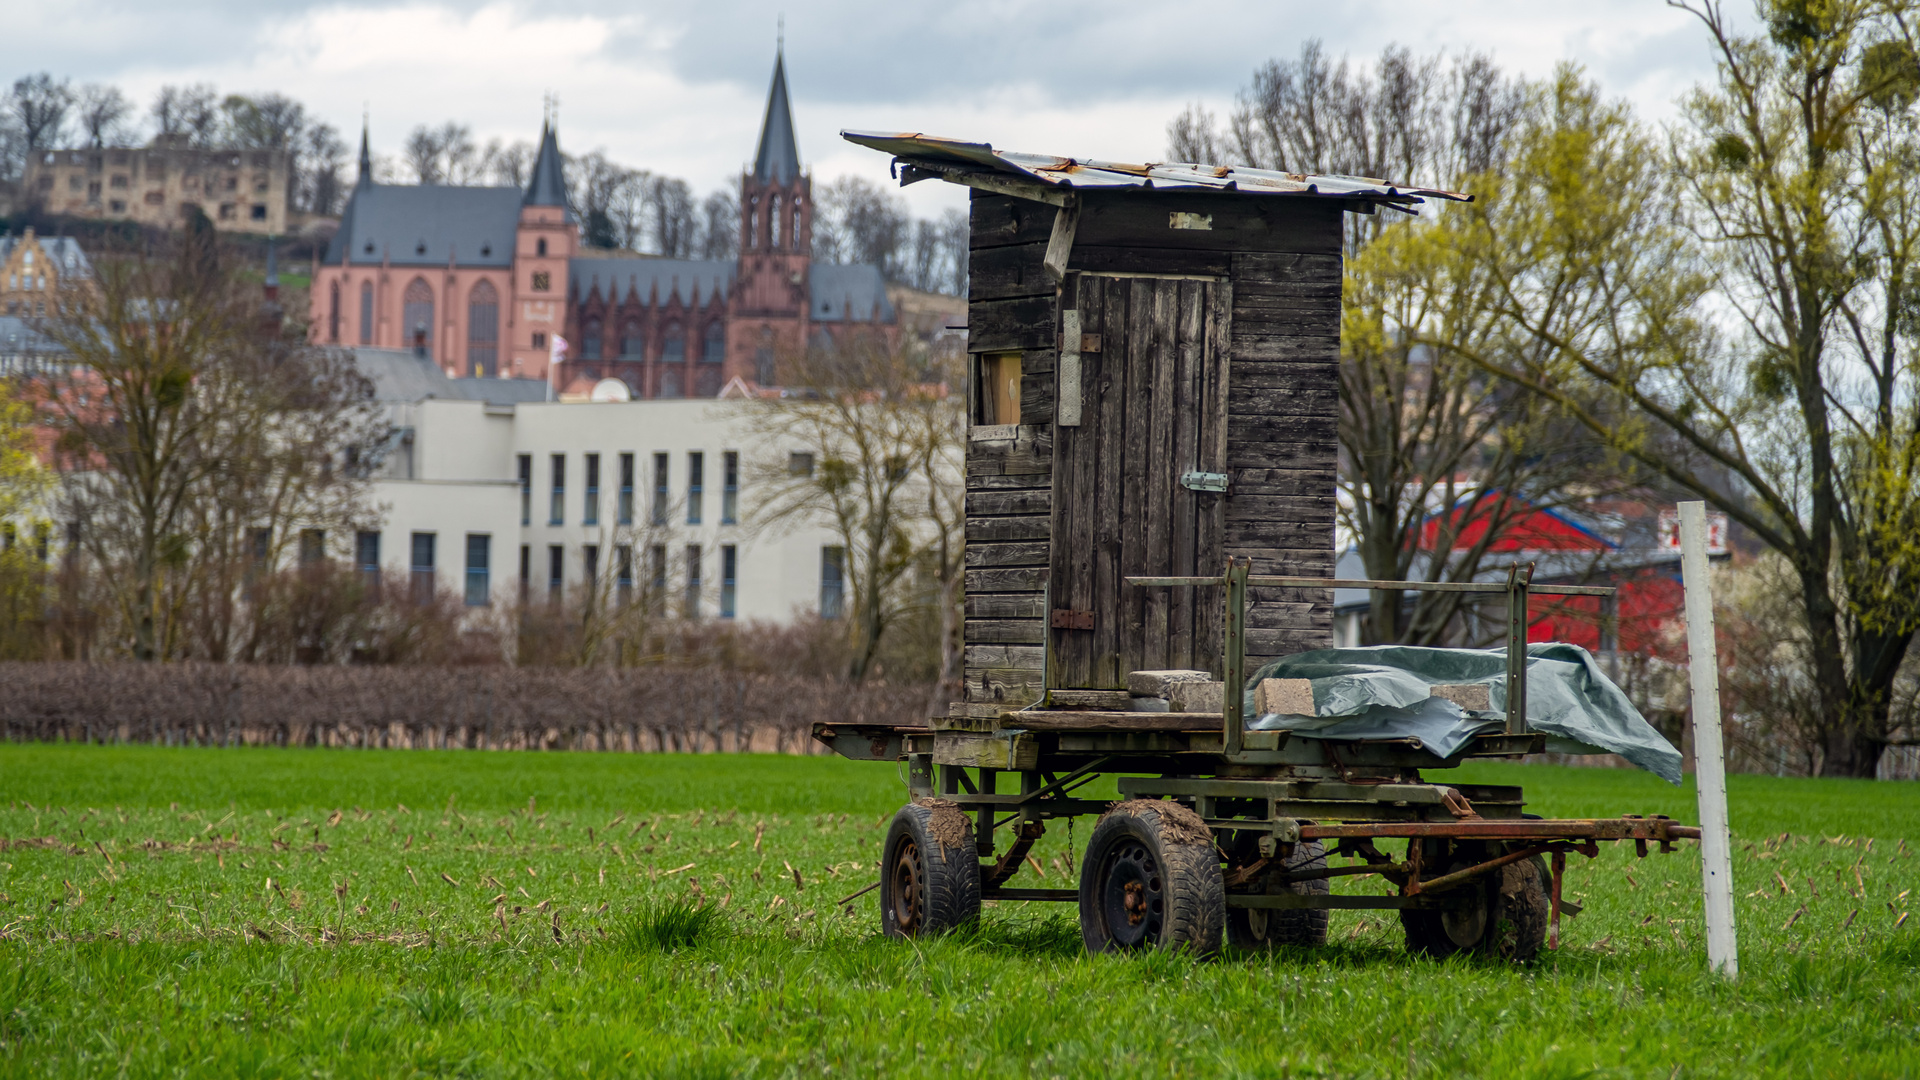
[(937, 154)]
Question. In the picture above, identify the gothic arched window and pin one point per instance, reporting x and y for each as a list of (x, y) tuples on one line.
[(590, 340), (793, 233), (714, 349), (675, 351), (632, 345), (333, 312), (483, 330), (773, 223), (366, 313), (753, 223), (417, 316)]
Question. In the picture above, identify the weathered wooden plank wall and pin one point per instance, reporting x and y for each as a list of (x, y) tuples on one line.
[(1282, 257)]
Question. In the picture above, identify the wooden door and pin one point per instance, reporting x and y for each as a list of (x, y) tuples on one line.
[(1152, 408)]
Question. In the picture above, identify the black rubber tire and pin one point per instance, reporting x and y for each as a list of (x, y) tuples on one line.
[(1151, 880), (929, 871), (1509, 918), (1255, 929)]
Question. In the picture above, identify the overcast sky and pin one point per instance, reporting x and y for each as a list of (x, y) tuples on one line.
[(679, 88)]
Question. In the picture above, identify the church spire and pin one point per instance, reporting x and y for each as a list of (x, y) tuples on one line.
[(779, 155), (549, 185), (365, 178)]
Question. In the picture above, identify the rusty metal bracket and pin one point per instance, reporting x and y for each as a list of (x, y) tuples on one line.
[(1009, 863), (1070, 619)]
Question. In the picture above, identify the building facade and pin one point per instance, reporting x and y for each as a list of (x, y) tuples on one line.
[(504, 497), (163, 184), (33, 270), (491, 282)]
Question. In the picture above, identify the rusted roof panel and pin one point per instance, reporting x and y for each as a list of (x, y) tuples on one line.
[(937, 154)]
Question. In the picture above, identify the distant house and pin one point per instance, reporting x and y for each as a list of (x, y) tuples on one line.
[(1630, 546), (163, 185), (490, 282), (33, 269)]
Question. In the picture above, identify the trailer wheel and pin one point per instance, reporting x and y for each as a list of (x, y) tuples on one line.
[(1507, 916), (1259, 928), (1151, 880), (930, 874)]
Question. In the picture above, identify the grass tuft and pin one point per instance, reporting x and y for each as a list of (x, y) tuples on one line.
[(673, 926)]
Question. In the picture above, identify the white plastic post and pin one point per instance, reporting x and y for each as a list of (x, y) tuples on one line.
[(1709, 755)]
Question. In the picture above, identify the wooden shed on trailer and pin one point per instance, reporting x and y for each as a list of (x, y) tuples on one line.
[(1154, 389)]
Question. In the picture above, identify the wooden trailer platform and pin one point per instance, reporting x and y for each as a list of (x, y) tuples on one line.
[(1153, 394)]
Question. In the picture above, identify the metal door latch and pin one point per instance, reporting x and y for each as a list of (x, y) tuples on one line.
[(1204, 481)]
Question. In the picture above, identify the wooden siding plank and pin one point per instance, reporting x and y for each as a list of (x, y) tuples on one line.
[(1001, 273), (1017, 580), (1003, 503), (998, 220), (1002, 325), (1019, 553), (1239, 223), (1189, 363), (1006, 606), (1097, 259), (1171, 339), (1024, 527), (1007, 631)]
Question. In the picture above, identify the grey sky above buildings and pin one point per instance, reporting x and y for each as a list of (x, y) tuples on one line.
[(680, 88)]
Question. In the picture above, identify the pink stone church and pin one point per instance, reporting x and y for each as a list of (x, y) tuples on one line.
[(483, 280)]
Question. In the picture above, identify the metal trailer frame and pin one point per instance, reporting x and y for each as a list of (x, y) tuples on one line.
[(1280, 790)]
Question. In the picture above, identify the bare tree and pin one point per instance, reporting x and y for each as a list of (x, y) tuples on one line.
[(720, 226), (324, 155), (103, 113), (600, 188), (885, 448), (39, 105), (442, 155), (855, 221), (672, 223), (508, 165), (187, 112)]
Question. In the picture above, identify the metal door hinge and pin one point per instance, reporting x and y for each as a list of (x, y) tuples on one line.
[(1204, 481), (1068, 619)]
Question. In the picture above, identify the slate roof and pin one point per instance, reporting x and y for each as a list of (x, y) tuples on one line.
[(549, 186), (400, 376), (63, 250), (779, 156), (695, 281), (425, 225), (847, 293)]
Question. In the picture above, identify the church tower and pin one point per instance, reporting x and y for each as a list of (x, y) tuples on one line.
[(776, 242), (546, 239)]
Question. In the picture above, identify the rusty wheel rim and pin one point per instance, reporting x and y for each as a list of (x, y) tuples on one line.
[(907, 874), (1132, 903)]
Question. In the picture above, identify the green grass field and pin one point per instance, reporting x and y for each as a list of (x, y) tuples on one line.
[(345, 913)]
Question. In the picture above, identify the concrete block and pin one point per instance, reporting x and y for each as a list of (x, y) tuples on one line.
[(1473, 697), (1158, 683), (1289, 697), (1198, 697)]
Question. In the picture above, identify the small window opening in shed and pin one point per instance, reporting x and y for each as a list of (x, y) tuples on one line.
[(999, 389)]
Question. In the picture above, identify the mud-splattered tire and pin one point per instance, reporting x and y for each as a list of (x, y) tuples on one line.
[(1151, 880), (929, 872), (1257, 928), (1506, 919)]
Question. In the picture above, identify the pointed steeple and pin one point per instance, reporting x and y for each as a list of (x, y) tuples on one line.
[(365, 178), (549, 185), (779, 156)]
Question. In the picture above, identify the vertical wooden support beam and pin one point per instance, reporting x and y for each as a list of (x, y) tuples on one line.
[(1066, 392), (1234, 700), (1518, 578), (1709, 755), (1066, 221)]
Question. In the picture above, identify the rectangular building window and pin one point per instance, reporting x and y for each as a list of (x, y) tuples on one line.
[(525, 465), (590, 567), (420, 568), (591, 512), (479, 555), (366, 558), (661, 494), (626, 489), (557, 504), (730, 491), (833, 581), (728, 565), (623, 573), (313, 546), (556, 572), (696, 467), (693, 581), (657, 577), (526, 573)]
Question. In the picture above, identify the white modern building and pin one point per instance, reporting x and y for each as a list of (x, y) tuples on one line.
[(493, 490)]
